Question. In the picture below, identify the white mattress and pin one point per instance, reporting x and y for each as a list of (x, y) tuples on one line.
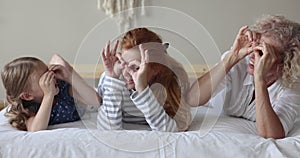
[(211, 135)]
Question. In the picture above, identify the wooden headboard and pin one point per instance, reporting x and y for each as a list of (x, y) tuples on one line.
[(94, 71), (2, 105)]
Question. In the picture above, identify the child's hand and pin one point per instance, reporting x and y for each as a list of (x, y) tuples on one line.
[(140, 74), (47, 83), (109, 58), (58, 60), (62, 69), (61, 73), (119, 65)]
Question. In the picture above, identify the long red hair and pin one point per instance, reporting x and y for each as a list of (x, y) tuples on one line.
[(173, 78)]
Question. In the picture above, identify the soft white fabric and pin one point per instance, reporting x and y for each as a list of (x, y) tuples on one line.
[(228, 137), (237, 91)]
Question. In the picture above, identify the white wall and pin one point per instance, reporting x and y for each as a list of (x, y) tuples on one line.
[(43, 27)]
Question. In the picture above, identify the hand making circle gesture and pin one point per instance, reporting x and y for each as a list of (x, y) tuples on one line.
[(266, 63), (140, 74), (243, 42), (109, 58)]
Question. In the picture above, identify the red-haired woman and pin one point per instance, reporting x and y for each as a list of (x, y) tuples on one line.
[(142, 85)]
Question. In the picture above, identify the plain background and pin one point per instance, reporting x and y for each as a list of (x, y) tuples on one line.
[(72, 28)]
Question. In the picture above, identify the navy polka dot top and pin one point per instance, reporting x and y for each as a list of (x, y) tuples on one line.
[(64, 109)]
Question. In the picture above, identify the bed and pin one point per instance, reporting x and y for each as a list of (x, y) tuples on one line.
[(212, 134)]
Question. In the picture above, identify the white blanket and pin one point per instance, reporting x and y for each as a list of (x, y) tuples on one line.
[(210, 135)]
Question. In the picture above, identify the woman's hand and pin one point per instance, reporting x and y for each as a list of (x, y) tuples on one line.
[(140, 74), (240, 49), (266, 63), (109, 59), (242, 44)]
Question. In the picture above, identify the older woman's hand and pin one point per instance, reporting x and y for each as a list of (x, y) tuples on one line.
[(243, 42), (266, 63), (241, 47)]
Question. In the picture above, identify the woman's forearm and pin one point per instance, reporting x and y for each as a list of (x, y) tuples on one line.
[(84, 92), (267, 122), (203, 88)]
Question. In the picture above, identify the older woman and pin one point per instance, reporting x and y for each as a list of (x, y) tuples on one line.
[(260, 76)]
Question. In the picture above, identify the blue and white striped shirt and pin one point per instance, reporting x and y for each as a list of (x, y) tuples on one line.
[(119, 106)]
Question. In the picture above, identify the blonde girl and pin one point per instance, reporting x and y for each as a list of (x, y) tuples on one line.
[(40, 96)]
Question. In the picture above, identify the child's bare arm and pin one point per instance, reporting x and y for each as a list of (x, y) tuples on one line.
[(41, 119), (79, 88)]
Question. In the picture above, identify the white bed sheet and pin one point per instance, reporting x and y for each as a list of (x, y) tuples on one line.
[(210, 135)]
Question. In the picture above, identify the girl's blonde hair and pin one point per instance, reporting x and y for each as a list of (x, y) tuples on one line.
[(287, 34), (16, 80), (173, 77)]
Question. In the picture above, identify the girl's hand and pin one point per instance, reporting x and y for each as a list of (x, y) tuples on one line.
[(119, 65), (62, 69), (266, 63), (62, 73), (140, 73), (47, 83), (109, 58)]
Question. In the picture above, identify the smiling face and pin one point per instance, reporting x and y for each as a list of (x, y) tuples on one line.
[(132, 59), (132, 39)]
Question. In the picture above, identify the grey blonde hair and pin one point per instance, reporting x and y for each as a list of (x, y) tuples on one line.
[(15, 77), (286, 33)]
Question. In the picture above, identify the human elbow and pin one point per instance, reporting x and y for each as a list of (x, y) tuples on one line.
[(33, 130), (274, 136), (195, 101), (192, 101)]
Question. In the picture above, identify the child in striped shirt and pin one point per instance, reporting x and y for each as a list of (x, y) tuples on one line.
[(142, 85)]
